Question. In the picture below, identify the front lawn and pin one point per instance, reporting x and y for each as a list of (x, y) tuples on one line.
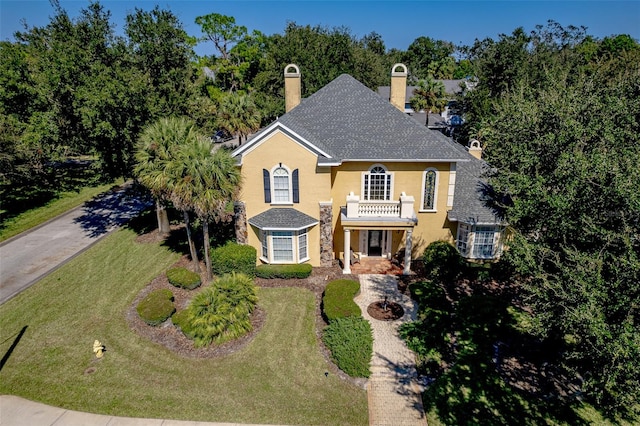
[(278, 378)]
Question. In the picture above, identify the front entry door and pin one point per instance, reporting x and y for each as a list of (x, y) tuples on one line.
[(374, 246)]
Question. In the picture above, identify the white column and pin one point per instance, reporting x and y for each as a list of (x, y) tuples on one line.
[(347, 252), (407, 253)]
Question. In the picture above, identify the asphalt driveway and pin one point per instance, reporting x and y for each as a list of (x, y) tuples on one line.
[(33, 254)]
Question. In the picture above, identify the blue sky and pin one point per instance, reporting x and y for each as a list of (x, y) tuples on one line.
[(399, 22)]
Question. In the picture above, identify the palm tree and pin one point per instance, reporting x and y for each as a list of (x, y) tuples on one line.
[(429, 96), (208, 181), (153, 153), (238, 115), (158, 166)]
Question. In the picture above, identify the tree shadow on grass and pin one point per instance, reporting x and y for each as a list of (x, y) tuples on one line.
[(471, 381)]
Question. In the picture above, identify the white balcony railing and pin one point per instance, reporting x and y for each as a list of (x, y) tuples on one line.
[(380, 208)]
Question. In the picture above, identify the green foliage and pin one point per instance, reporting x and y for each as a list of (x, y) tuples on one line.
[(350, 340), (233, 257), (222, 311), (429, 96), (156, 307), (182, 321), (337, 300), (564, 143), (183, 278), (426, 56), (442, 262), (302, 270)]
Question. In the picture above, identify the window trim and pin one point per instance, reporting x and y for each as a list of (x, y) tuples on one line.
[(294, 236), (365, 189), (469, 246), (289, 200), (435, 190)]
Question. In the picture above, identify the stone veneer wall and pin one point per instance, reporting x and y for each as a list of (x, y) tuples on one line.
[(240, 222), (326, 234)]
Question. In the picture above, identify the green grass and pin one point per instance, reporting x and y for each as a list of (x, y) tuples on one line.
[(278, 378), (65, 202)]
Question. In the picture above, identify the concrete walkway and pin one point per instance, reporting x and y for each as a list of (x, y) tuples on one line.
[(393, 391), (27, 257), (15, 411)]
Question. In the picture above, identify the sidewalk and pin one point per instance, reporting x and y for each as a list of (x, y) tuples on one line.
[(393, 391), (16, 411)]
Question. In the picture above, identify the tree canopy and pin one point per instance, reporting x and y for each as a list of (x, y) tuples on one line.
[(561, 130)]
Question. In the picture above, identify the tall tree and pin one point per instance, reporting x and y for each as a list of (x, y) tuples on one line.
[(215, 184), (222, 30), (429, 95), (154, 151), (166, 64), (164, 168), (425, 56), (238, 115), (565, 150)]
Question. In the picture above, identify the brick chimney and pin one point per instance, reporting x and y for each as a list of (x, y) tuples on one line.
[(292, 87), (398, 92)]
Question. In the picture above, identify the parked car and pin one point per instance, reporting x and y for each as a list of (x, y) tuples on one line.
[(221, 136)]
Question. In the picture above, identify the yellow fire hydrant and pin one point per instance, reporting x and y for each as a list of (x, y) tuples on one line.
[(98, 348)]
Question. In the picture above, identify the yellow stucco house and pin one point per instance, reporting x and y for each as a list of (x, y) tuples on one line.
[(346, 170)]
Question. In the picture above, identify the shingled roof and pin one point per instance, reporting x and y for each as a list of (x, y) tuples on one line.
[(349, 121), (469, 204), (282, 218)]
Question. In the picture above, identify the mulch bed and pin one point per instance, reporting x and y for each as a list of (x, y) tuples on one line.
[(168, 336)]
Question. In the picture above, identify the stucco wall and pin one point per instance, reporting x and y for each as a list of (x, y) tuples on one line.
[(407, 177), (314, 184)]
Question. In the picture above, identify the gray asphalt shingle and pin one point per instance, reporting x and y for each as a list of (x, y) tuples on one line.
[(282, 218), (351, 122)]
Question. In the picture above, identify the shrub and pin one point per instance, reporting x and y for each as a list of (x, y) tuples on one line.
[(222, 311), (442, 262), (233, 257), (181, 320), (284, 271), (350, 341), (337, 301), (184, 278), (156, 307)]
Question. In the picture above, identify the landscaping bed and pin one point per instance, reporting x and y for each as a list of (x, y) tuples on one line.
[(170, 337)]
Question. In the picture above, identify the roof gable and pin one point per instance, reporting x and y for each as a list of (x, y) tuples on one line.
[(349, 121)]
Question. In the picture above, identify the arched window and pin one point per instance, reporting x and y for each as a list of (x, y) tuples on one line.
[(281, 186), (429, 190), (376, 184), (281, 190)]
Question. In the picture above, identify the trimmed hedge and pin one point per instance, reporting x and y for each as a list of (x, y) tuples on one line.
[(337, 300), (156, 307), (350, 341), (183, 278), (442, 262), (284, 271), (233, 257), (182, 321)]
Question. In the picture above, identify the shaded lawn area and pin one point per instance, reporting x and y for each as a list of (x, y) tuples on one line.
[(62, 203), (277, 378), (484, 365)]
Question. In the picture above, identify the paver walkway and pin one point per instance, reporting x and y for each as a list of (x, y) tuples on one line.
[(393, 390)]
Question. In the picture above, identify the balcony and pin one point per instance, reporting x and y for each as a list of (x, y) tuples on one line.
[(383, 209)]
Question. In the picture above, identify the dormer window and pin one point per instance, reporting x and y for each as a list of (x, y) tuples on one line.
[(377, 183)]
